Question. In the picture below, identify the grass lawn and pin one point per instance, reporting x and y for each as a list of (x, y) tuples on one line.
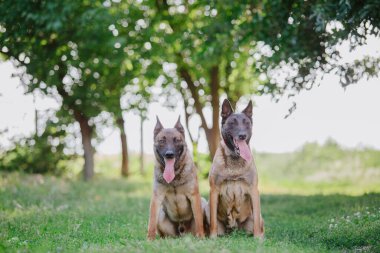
[(45, 213)]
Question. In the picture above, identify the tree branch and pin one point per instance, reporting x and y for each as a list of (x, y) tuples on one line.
[(194, 93), (187, 118), (214, 84)]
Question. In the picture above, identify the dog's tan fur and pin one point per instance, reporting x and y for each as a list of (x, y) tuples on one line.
[(234, 195), (176, 208)]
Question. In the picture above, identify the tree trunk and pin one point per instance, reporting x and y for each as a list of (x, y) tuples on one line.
[(142, 145), (35, 116), (214, 132), (86, 132), (212, 141), (124, 147), (85, 129), (194, 141)]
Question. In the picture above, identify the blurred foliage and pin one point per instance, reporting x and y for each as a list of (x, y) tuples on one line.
[(38, 154), (321, 167), (103, 46), (244, 39), (84, 50), (333, 158), (303, 39)]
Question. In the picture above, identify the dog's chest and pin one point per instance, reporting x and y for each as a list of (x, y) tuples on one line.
[(234, 202), (177, 206)]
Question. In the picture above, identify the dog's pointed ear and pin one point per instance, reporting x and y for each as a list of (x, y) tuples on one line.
[(158, 127), (226, 110), (179, 126), (248, 110)]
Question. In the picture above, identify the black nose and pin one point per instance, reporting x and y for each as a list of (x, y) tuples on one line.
[(169, 154), (242, 136)]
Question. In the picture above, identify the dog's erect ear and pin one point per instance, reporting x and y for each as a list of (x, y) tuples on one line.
[(179, 126), (158, 127), (226, 110), (248, 110)]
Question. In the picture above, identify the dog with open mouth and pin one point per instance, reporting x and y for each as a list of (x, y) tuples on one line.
[(176, 207), (234, 195)]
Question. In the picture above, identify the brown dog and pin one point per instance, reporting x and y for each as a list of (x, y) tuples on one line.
[(176, 206), (234, 196)]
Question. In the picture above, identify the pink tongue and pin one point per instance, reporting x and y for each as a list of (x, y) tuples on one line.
[(245, 151), (169, 170)]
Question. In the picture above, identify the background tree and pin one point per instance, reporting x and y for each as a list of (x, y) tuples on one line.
[(242, 47), (300, 40), (55, 43), (201, 40)]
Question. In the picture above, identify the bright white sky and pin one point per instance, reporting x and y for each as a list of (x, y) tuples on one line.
[(349, 116)]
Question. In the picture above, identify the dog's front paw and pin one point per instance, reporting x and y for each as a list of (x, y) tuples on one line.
[(151, 236), (259, 236), (213, 235), (201, 235)]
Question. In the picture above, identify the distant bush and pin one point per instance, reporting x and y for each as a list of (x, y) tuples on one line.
[(328, 166), (39, 154), (330, 157)]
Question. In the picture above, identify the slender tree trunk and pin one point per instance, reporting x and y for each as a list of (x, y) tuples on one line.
[(35, 116), (124, 147), (212, 142), (214, 132), (85, 129), (194, 141), (86, 132), (233, 103), (142, 145)]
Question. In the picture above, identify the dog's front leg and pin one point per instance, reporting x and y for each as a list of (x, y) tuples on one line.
[(155, 204), (213, 211), (196, 207), (257, 230)]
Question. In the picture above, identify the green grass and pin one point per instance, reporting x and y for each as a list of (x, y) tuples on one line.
[(319, 199), (41, 214)]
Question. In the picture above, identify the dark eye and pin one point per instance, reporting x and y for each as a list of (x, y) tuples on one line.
[(162, 141), (176, 140)]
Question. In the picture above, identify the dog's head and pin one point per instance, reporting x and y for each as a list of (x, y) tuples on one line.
[(237, 130), (169, 145)]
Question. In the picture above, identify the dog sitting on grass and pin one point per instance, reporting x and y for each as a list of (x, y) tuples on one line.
[(176, 206), (234, 196)]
